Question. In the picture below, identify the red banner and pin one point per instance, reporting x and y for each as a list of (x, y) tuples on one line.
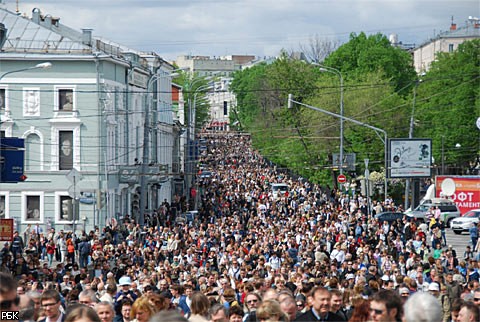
[(6, 230), (467, 191)]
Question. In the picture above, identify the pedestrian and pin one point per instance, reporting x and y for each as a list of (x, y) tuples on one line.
[(473, 230)]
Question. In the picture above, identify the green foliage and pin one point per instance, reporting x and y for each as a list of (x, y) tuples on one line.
[(448, 104), (379, 83), (195, 88), (374, 53)]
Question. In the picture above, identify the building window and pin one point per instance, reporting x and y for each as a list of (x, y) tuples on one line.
[(3, 99), (65, 150), (32, 212), (66, 208), (65, 99), (450, 48), (225, 108), (3, 134), (2, 207)]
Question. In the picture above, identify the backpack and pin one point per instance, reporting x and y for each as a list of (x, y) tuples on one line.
[(84, 248)]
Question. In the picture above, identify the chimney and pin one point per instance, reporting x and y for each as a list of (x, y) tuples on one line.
[(36, 15), (3, 34), (453, 27), (87, 37)]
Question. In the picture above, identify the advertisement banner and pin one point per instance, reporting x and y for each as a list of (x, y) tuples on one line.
[(467, 191), (6, 230)]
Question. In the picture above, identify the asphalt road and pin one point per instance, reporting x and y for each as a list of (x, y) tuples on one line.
[(458, 242)]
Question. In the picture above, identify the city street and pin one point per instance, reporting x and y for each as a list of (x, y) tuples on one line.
[(459, 242)]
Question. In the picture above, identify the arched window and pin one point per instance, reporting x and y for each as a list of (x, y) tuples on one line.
[(33, 152)]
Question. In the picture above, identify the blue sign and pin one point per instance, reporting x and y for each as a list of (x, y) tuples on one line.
[(11, 159)]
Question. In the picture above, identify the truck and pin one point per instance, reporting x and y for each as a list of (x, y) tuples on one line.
[(467, 191)]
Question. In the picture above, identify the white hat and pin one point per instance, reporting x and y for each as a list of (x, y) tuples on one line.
[(124, 280), (385, 278), (434, 287), (349, 276)]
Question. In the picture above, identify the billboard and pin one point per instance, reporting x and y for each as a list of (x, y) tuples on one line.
[(409, 158), (6, 230), (467, 191)]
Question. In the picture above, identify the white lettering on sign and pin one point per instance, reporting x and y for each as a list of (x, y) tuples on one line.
[(463, 196)]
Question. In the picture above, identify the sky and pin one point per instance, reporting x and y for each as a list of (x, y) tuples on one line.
[(250, 27)]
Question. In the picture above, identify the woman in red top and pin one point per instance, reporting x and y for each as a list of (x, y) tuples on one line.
[(50, 252), (70, 250)]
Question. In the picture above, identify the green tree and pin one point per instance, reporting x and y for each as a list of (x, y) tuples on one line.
[(195, 89), (366, 54), (448, 103)]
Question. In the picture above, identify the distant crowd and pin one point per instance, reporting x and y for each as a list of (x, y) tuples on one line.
[(311, 254)]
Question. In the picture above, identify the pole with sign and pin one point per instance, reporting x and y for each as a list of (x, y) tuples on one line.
[(74, 176)]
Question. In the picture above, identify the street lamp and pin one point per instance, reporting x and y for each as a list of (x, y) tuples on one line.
[(376, 129), (44, 65), (190, 130), (339, 74), (146, 148)]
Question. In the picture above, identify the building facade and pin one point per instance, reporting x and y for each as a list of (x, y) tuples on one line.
[(446, 42), (84, 122)]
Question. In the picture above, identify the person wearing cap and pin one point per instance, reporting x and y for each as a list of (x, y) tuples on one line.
[(434, 289), (125, 292)]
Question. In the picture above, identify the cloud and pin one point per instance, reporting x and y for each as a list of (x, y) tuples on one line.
[(258, 27)]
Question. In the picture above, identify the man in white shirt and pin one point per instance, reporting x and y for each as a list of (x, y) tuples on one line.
[(338, 254)]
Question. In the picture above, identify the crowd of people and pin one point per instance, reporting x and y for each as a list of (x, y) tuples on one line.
[(311, 254)]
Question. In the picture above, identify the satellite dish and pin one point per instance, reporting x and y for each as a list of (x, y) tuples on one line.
[(448, 187)]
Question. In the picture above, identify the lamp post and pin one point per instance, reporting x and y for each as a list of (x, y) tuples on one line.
[(376, 129), (146, 148), (410, 136), (199, 89), (339, 74), (190, 130)]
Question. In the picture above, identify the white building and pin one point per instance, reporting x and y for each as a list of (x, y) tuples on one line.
[(447, 42)]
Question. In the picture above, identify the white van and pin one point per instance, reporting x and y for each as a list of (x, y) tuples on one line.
[(279, 189)]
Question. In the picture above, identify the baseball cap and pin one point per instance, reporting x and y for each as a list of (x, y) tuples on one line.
[(434, 287)]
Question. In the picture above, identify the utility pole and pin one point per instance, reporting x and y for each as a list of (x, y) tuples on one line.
[(410, 136)]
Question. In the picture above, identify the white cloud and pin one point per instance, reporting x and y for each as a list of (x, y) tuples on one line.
[(259, 27)]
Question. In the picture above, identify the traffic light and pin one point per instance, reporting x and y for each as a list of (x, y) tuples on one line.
[(136, 201), (100, 199)]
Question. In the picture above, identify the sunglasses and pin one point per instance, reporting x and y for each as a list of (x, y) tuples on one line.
[(476, 299), (50, 304), (376, 311), (7, 304)]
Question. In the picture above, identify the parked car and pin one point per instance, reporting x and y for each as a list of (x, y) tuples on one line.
[(279, 189), (448, 209), (389, 216), (464, 223)]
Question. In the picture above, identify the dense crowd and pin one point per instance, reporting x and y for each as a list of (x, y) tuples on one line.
[(312, 253)]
